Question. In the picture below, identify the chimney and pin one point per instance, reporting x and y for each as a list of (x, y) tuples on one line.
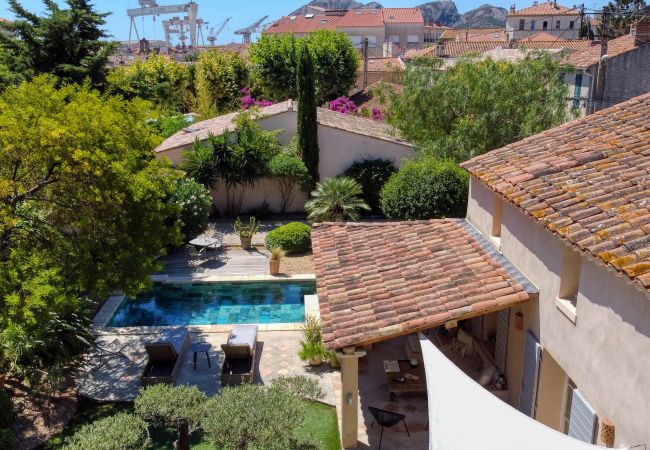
[(641, 31), (535, 3), (512, 9), (440, 50)]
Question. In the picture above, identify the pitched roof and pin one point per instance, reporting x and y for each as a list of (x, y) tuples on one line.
[(218, 125), (587, 181), (362, 18), (402, 15), (302, 24), (380, 280), (591, 55), (456, 49), (550, 8), (514, 55), (572, 44), (475, 35), (384, 65), (541, 36)]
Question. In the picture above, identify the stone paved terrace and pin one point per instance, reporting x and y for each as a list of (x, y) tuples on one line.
[(119, 379), (232, 261)]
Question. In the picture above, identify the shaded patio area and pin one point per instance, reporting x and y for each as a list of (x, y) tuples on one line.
[(119, 379), (231, 261)]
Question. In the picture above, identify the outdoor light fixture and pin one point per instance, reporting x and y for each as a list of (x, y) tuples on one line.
[(348, 398)]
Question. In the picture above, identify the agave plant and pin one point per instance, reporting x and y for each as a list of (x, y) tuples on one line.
[(336, 199)]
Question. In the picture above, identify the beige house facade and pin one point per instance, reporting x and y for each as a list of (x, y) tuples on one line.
[(549, 17)]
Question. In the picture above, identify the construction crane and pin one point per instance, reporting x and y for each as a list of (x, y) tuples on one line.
[(151, 8), (212, 37), (249, 30)]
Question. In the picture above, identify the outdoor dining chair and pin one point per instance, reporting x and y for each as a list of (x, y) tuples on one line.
[(386, 419), (217, 246), (103, 352), (192, 254)]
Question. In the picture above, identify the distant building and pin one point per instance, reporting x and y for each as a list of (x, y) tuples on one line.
[(475, 35), (549, 17)]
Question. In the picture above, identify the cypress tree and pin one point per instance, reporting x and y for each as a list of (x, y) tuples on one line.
[(307, 123)]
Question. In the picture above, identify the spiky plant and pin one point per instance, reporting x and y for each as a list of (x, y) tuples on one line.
[(336, 200)]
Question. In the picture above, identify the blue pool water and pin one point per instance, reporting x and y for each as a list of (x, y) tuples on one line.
[(215, 303)]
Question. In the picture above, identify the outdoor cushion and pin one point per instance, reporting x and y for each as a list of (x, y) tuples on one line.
[(243, 335)]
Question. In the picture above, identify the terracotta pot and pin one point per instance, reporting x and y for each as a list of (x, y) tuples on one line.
[(274, 266), (245, 242), (316, 361)]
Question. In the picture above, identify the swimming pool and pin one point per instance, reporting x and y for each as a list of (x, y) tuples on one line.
[(216, 303)]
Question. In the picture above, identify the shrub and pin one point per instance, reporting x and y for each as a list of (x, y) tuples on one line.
[(194, 202), (121, 431), (290, 174), (7, 438), (336, 199), (426, 188), (294, 237), (371, 174), (6, 410)]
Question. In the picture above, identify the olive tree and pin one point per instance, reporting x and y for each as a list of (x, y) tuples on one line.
[(123, 431)]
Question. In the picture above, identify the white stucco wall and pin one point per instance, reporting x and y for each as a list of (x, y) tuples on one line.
[(607, 351)]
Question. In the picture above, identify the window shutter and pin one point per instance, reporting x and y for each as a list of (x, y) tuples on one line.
[(501, 343), (582, 420), (528, 392)]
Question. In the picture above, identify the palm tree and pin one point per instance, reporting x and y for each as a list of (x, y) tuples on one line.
[(336, 199)]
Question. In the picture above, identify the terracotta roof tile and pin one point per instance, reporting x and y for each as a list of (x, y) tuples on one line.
[(475, 35), (587, 181), (384, 65), (591, 55), (380, 280), (302, 24), (362, 18), (402, 15), (550, 8)]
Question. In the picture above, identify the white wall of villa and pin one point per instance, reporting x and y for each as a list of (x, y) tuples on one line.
[(338, 150), (606, 352)]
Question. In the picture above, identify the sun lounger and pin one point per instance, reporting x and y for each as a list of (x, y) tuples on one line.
[(166, 358), (239, 351)]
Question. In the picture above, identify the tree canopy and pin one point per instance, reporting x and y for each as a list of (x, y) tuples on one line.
[(476, 106), (67, 43), (220, 77), (275, 64)]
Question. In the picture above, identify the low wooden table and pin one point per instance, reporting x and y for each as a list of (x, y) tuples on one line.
[(414, 378)]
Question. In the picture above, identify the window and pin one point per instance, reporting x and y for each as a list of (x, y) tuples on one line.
[(577, 91), (522, 24), (372, 41), (579, 419), (356, 40), (532, 25), (568, 396), (497, 212), (394, 39), (412, 39), (571, 25), (557, 25), (566, 300), (545, 25)]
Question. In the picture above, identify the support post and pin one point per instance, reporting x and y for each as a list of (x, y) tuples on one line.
[(349, 360), (364, 51), (599, 89)]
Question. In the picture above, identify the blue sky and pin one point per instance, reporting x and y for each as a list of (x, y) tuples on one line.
[(243, 12)]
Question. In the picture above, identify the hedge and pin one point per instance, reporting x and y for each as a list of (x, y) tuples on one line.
[(294, 237), (426, 188), (371, 174)]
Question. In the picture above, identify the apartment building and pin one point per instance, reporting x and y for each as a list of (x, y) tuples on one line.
[(550, 17)]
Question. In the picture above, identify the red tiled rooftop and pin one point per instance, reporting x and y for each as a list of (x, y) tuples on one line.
[(475, 35), (541, 36), (303, 24), (591, 55), (587, 181), (362, 18), (384, 65), (402, 15), (546, 9), (380, 280)]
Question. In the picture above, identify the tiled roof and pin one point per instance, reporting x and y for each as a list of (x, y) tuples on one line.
[(588, 181), (362, 18), (541, 36), (456, 49), (376, 281), (546, 9), (302, 24), (514, 55), (591, 55), (476, 35), (217, 125), (384, 65), (572, 44), (402, 15)]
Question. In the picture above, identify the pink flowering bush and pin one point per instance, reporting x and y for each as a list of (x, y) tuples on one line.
[(344, 105), (247, 101)]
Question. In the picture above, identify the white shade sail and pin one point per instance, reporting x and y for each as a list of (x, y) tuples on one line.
[(465, 416)]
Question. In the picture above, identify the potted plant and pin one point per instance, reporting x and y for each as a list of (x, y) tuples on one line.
[(274, 260), (246, 232), (312, 348)]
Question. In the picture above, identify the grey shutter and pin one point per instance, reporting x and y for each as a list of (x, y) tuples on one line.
[(501, 344), (528, 392), (582, 419)]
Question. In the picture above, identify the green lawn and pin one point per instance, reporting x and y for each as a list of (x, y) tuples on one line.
[(321, 425)]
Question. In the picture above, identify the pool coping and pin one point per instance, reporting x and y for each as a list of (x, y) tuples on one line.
[(108, 309)]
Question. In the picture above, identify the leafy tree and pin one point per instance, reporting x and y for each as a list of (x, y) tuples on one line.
[(67, 43), (371, 174), (275, 64), (426, 188), (336, 199), (157, 79), (180, 407), (290, 174), (84, 211), (251, 416), (477, 106), (307, 128), (167, 126), (220, 76), (123, 431), (292, 237), (194, 203)]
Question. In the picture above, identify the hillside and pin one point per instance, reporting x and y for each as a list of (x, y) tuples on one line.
[(333, 4), (485, 16), (444, 11)]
